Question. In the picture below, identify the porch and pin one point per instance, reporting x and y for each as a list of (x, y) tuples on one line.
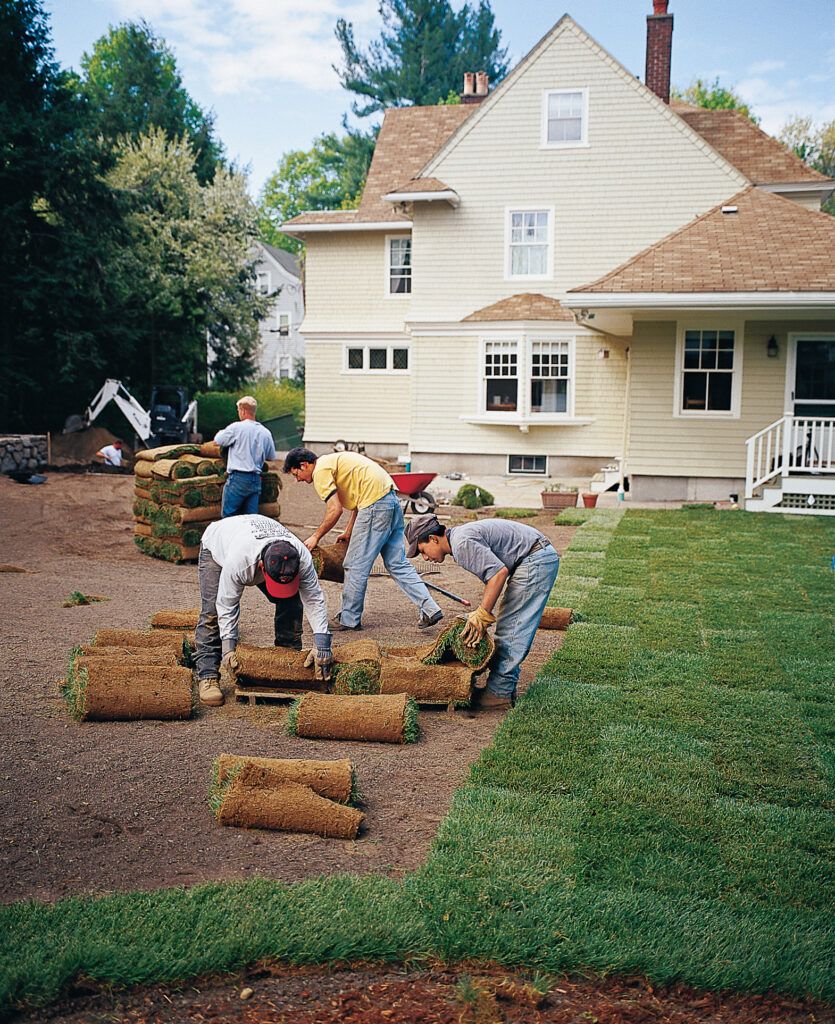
[(791, 467)]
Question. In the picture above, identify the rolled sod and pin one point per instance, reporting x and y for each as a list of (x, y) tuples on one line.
[(389, 718), (103, 691), (167, 451), (274, 666), (270, 488), (210, 450), (448, 646), (143, 470), (193, 493), (327, 561), (142, 529), (356, 667), (141, 493), (176, 515), (168, 550), (145, 509), (166, 655), (335, 780), (187, 535), (272, 510), (173, 469), (250, 802), (142, 638), (172, 618), (556, 618), (450, 683)]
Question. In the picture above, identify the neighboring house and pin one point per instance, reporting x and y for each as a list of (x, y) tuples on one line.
[(570, 271), (281, 351)]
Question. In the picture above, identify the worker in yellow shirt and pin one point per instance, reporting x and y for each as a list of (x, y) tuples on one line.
[(346, 480)]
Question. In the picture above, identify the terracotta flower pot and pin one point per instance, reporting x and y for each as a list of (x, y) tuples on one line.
[(558, 499), (589, 500)]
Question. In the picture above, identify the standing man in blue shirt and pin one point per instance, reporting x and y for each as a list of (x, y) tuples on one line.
[(250, 445)]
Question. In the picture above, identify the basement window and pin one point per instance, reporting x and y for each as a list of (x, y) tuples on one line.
[(535, 465)]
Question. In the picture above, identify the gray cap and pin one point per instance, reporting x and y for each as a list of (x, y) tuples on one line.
[(417, 529)]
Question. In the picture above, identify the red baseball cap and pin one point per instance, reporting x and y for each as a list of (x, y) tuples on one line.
[(281, 569)]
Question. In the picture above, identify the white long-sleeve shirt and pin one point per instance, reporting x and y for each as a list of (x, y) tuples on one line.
[(237, 544)]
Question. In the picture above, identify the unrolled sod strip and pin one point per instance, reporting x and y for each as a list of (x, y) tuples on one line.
[(390, 718), (105, 692), (427, 684), (251, 802), (171, 618), (332, 779), (556, 618)]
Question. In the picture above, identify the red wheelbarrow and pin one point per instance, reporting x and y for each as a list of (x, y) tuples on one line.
[(410, 491)]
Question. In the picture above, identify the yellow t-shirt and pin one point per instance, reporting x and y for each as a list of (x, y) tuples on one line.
[(358, 481)]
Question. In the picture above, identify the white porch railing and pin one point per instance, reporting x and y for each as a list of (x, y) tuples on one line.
[(790, 445)]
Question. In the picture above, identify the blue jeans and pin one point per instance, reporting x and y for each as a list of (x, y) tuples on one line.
[(518, 618), (240, 494), (378, 530)]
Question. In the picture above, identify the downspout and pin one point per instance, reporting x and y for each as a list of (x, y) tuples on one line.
[(624, 445)]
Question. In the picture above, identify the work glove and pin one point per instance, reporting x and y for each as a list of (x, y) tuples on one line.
[(320, 658), (477, 622)]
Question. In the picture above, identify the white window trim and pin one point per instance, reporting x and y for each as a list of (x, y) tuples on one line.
[(583, 142), (523, 414), (706, 324), (529, 208), (258, 278), (526, 472), (791, 363), (279, 314), (388, 293), (365, 346)]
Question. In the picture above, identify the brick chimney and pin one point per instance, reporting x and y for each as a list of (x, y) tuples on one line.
[(659, 49), (476, 87)]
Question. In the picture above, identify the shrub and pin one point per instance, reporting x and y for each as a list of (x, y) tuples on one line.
[(471, 496), (217, 409)]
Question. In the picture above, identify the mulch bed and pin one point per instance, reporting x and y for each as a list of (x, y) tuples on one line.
[(278, 994)]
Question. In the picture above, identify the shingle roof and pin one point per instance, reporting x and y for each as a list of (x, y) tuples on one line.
[(526, 306), (422, 185), (761, 158), (772, 244), (408, 139), (286, 259)]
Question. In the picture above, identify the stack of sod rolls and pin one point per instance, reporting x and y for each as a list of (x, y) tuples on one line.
[(286, 795), (129, 674), (178, 491)]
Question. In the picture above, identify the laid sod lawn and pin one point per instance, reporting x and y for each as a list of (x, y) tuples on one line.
[(659, 802)]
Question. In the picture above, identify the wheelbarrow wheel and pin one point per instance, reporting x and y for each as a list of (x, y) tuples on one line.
[(422, 502)]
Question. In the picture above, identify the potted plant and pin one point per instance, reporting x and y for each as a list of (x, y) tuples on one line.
[(558, 495), (589, 499)]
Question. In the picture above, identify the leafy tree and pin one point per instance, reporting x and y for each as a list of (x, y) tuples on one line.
[(58, 224), (713, 96), (814, 145), (422, 53), (185, 278), (328, 176), (131, 83)]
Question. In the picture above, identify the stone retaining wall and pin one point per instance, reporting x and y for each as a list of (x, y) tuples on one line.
[(22, 451)]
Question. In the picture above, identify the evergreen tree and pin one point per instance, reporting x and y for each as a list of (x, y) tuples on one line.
[(131, 83), (422, 53)]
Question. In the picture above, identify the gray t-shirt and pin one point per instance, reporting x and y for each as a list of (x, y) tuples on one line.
[(250, 444), (485, 547)]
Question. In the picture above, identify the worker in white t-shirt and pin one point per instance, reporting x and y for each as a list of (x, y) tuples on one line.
[(111, 453)]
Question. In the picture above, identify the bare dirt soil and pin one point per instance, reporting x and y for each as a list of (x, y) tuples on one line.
[(100, 807), (277, 994)]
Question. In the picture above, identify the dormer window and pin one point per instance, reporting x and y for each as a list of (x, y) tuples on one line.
[(565, 118)]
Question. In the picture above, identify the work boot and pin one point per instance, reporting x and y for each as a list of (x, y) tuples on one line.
[(493, 702), (338, 626), (425, 621), (210, 692)]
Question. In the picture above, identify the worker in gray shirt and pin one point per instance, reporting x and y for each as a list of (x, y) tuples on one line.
[(253, 551), (249, 445), (505, 556)]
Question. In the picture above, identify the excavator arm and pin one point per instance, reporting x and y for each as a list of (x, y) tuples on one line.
[(114, 391)]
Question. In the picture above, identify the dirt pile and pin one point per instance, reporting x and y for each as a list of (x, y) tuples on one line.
[(79, 448)]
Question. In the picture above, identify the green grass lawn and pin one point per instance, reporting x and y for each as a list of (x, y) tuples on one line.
[(659, 802)]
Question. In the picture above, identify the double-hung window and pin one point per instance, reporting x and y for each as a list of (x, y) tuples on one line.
[(549, 376), (262, 282), (376, 359), (399, 264), (284, 324), (529, 244), (709, 372), (565, 115), (501, 376)]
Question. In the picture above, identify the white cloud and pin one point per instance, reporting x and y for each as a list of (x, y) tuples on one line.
[(242, 46), (762, 67)]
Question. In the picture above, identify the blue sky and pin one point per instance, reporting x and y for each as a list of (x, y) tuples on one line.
[(264, 66)]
